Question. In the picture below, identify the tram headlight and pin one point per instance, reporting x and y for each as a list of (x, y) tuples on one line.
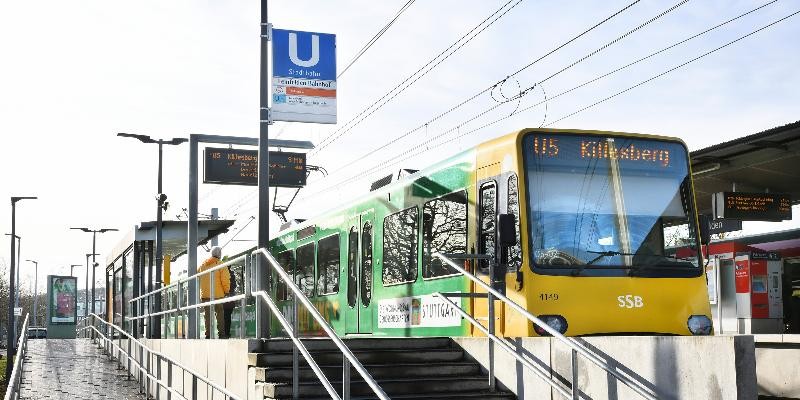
[(556, 322), (699, 325)]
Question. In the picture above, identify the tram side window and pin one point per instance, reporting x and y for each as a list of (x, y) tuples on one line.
[(488, 215), (514, 252), (366, 264), (304, 269), (328, 265), (444, 230), (400, 247), (286, 261)]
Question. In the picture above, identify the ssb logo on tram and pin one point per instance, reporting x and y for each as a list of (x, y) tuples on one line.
[(630, 301)]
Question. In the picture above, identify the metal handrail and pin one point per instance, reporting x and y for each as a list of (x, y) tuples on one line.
[(573, 344), (298, 295), (151, 352), (16, 374)]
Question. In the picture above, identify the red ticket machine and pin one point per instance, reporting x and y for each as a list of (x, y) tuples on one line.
[(759, 301)]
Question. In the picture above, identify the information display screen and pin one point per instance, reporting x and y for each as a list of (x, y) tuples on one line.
[(752, 206), (240, 167), (63, 292)]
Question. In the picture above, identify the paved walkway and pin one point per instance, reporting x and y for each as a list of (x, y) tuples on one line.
[(73, 369)]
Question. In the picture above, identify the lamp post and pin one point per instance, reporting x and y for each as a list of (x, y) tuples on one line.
[(19, 244), (72, 268), (35, 293), (86, 292), (11, 329), (161, 199), (94, 233)]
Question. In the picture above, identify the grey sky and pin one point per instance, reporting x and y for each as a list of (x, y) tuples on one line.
[(75, 73)]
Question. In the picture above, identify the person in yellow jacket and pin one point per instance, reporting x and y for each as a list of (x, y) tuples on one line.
[(222, 286)]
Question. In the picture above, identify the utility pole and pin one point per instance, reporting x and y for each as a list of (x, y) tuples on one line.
[(35, 293), (86, 311), (94, 233), (262, 326), (11, 328)]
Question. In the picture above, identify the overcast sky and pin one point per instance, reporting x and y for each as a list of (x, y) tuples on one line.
[(73, 74)]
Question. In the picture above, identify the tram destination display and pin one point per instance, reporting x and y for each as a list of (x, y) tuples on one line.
[(752, 206), (240, 167)]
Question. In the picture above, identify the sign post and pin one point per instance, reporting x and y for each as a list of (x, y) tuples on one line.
[(62, 306)]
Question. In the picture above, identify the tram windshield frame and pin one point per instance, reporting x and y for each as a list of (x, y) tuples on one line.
[(609, 205)]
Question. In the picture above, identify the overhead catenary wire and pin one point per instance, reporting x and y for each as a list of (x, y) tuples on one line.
[(418, 74), (375, 38), (523, 92), (397, 159)]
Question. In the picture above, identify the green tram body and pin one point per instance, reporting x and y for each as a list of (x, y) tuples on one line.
[(455, 174)]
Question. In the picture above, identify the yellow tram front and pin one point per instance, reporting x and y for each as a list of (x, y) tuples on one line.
[(609, 234)]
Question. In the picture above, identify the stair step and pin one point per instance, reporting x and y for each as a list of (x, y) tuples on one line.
[(392, 387), (313, 344), (378, 371), (366, 357), (482, 395)]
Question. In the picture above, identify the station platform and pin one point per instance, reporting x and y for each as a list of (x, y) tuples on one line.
[(73, 369)]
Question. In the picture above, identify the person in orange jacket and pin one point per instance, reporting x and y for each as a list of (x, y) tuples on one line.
[(222, 286)]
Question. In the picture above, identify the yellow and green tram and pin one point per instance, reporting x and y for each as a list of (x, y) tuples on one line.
[(599, 217)]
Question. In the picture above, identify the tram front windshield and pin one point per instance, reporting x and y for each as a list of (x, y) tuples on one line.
[(609, 205)]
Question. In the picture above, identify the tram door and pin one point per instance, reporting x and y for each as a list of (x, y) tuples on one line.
[(487, 244), (358, 317)]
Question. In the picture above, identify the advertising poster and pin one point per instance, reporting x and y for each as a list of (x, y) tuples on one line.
[(63, 295), (417, 312)]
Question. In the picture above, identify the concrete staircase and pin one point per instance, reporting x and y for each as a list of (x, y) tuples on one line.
[(406, 368)]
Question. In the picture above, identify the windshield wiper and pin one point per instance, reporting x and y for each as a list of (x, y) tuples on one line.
[(600, 255)]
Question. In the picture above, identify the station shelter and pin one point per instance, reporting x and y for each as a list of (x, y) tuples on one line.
[(750, 277), (750, 283), (131, 271)]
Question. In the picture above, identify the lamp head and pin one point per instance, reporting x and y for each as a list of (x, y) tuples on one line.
[(142, 138)]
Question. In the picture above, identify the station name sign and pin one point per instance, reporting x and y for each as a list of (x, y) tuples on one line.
[(240, 167), (752, 206)]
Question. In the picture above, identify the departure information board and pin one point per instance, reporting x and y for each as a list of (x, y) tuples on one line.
[(752, 206), (240, 167)]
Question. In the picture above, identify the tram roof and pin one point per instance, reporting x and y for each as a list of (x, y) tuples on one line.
[(764, 161), (173, 236)]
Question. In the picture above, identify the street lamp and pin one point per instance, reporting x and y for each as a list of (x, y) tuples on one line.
[(94, 233), (19, 244), (12, 330), (86, 292), (72, 268), (161, 199), (35, 293)]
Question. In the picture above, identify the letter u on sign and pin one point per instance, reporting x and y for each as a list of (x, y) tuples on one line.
[(293, 51)]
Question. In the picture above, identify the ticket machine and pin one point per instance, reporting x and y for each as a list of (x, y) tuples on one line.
[(759, 299)]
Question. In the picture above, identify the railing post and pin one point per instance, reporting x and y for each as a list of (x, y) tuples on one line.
[(129, 358), (158, 376), (169, 379), (295, 351), (194, 386), (575, 390), (345, 378), (177, 308), (490, 308)]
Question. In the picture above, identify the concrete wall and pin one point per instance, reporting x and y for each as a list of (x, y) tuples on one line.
[(672, 367), (224, 362), (778, 365)]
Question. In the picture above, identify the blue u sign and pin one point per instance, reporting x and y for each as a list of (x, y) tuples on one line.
[(307, 55)]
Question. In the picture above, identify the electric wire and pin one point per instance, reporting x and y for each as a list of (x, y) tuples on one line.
[(521, 93), (375, 38), (400, 158), (405, 84)]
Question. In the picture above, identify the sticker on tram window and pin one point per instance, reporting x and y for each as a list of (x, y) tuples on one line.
[(416, 312)]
